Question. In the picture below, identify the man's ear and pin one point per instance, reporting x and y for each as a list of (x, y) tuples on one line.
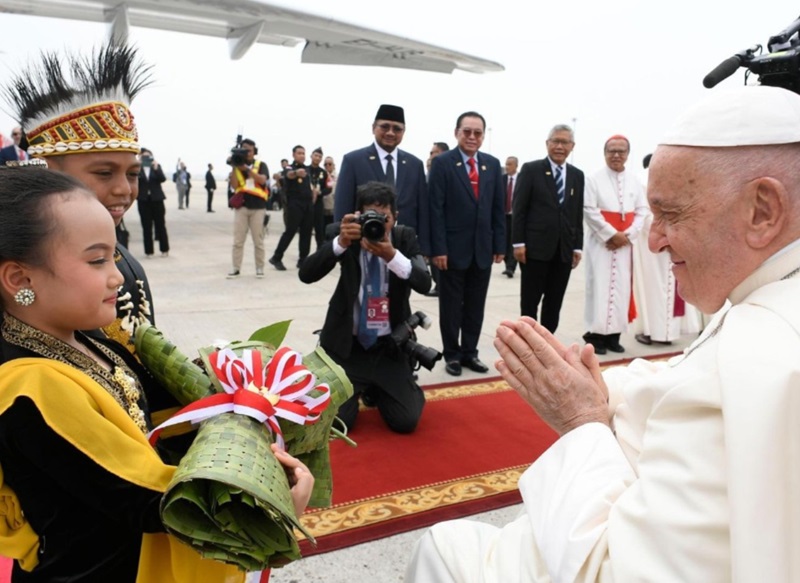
[(768, 208)]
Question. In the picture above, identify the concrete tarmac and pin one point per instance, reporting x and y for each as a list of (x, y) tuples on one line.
[(196, 305)]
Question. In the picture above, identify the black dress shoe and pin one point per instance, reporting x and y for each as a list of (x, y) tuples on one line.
[(277, 263), (368, 399), (644, 339), (615, 347), (474, 364), (434, 293), (508, 273), (453, 368)]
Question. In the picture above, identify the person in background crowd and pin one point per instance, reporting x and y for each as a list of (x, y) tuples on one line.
[(509, 180), (614, 209), (547, 227), (151, 204), (467, 235), (211, 186)]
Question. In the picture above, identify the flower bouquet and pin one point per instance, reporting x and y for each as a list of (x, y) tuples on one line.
[(230, 498)]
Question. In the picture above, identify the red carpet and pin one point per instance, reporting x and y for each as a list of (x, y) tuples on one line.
[(473, 442)]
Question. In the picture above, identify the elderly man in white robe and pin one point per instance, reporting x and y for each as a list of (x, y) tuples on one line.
[(685, 470), (614, 208)]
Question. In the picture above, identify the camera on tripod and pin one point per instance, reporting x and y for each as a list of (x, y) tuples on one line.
[(238, 155), (405, 338), (780, 67)]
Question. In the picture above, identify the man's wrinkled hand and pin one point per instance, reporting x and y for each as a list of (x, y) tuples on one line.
[(562, 384)]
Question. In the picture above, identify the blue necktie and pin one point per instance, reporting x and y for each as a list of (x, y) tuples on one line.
[(372, 278), (560, 185)]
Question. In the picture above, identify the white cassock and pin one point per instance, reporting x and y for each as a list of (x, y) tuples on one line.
[(698, 483), (618, 198)]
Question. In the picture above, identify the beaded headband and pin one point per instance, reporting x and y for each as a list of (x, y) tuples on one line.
[(68, 104), (96, 127)]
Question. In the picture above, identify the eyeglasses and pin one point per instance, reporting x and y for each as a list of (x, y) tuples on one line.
[(470, 132), (559, 142), (16, 134), (385, 127), (617, 152), (328, 163)]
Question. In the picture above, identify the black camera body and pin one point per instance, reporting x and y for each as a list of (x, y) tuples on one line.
[(405, 338), (780, 67), (238, 156), (373, 225)]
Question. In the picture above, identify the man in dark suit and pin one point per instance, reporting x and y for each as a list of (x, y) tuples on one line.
[(13, 152), (467, 219), (151, 204), (402, 170), (370, 301), (509, 181), (547, 227), (211, 186)]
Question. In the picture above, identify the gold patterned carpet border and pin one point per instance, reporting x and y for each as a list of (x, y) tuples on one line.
[(360, 513)]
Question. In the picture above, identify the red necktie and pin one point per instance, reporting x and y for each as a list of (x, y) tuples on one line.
[(509, 191), (473, 176)]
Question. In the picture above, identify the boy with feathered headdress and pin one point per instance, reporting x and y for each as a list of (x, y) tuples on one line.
[(74, 112)]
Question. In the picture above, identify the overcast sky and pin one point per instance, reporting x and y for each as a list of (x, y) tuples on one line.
[(614, 66)]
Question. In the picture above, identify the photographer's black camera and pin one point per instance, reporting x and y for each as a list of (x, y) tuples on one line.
[(238, 156), (405, 338), (373, 225)]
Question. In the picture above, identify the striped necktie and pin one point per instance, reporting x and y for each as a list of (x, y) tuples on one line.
[(560, 184)]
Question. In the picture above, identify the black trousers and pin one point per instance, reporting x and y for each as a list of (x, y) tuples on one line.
[(299, 217), (319, 222), (210, 192), (153, 214), (462, 300), (511, 263), (385, 372), (544, 281)]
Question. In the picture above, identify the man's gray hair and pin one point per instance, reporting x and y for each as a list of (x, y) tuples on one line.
[(561, 128)]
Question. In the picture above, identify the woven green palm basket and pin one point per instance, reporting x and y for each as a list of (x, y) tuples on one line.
[(309, 443), (189, 382), (230, 498)]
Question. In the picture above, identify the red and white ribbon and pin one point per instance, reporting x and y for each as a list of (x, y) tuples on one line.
[(265, 393)]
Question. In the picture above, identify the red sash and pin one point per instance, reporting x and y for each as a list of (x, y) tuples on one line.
[(617, 221)]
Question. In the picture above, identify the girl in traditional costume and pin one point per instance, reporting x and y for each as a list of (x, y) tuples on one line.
[(80, 485)]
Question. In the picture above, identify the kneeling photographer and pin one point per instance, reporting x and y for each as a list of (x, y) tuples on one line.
[(380, 263)]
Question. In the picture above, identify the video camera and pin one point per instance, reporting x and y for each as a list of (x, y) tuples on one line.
[(780, 67), (405, 338), (238, 154)]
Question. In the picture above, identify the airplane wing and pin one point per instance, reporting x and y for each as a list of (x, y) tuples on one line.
[(246, 22)]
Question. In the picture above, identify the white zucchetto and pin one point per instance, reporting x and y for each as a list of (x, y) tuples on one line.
[(744, 116)]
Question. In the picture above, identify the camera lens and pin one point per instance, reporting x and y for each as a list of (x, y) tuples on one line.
[(373, 229)]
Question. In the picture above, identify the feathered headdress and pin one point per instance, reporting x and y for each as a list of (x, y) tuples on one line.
[(68, 104)]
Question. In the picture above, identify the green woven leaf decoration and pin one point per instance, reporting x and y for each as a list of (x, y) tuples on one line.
[(272, 334)]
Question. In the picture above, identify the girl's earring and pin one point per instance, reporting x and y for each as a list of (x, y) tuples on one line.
[(25, 297)]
